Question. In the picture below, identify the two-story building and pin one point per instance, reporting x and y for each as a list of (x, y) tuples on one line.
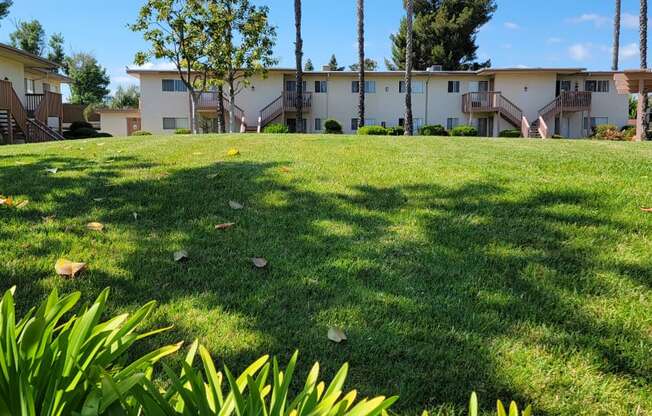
[(31, 108), (540, 102)]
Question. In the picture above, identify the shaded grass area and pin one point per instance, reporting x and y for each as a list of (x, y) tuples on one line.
[(520, 269)]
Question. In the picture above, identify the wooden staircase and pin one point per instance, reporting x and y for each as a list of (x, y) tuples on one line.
[(286, 102), (492, 102), (209, 101)]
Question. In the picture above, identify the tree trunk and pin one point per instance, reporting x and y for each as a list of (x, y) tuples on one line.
[(361, 87), (643, 51), (231, 105), (194, 101), (616, 48), (298, 51), (409, 126), (220, 110)]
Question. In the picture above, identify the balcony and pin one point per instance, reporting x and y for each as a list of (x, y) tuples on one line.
[(290, 101)]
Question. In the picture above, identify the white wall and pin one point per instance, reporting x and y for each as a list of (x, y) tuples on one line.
[(115, 123), (15, 72)]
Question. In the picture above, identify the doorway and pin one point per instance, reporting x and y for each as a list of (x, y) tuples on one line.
[(133, 124)]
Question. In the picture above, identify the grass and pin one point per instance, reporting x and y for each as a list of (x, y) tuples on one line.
[(520, 269)]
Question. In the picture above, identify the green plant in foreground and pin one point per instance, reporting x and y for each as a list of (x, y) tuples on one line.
[(276, 128), (196, 393), (51, 366)]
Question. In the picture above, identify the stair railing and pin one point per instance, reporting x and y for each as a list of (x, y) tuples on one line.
[(270, 112)]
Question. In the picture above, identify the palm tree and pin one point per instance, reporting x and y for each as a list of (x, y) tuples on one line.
[(409, 4), (298, 51), (361, 88), (643, 53), (616, 49)]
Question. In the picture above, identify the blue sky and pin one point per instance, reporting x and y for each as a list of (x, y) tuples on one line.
[(552, 33)]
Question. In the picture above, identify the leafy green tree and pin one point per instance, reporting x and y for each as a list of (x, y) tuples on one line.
[(369, 65), (176, 31), (308, 67), (56, 52), (445, 33), (128, 97), (29, 36), (89, 80), (4, 8), (241, 42)]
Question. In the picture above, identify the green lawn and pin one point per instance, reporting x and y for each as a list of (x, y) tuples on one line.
[(521, 269)]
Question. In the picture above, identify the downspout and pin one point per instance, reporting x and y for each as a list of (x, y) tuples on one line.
[(427, 96)]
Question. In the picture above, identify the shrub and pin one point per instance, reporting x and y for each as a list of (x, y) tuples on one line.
[(607, 132), (53, 365), (510, 133), (276, 129), (103, 134), (141, 133), (84, 133), (332, 126), (436, 130), (464, 131), (628, 132), (76, 125), (372, 131), (183, 131), (396, 131)]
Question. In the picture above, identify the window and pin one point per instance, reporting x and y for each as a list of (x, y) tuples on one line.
[(452, 122), (597, 86), (321, 86), (369, 87), (595, 121), (174, 85), (291, 86), (453, 87), (171, 123), (318, 124), (564, 85), (354, 124), (401, 122), (369, 121), (417, 87), (46, 87), (29, 86), (417, 123)]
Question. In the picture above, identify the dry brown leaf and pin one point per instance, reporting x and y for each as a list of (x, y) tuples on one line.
[(285, 169), (8, 201), (259, 262), (646, 210), (235, 205), (98, 199), (52, 170), (212, 175), (22, 204), (224, 226), (95, 226), (181, 256), (336, 335), (101, 144), (68, 268)]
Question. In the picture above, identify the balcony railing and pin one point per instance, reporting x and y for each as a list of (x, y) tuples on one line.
[(290, 100)]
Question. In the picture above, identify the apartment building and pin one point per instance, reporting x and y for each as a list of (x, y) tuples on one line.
[(31, 108), (541, 102)]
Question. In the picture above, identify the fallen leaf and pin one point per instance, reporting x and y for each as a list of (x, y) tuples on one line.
[(198, 153), (48, 218), (98, 199), (646, 210), (52, 170), (285, 169), (119, 151), (259, 262), (235, 205), (95, 226), (8, 201), (22, 204), (212, 176), (336, 335), (224, 226), (181, 256), (68, 268), (135, 214), (233, 152), (101, 144)]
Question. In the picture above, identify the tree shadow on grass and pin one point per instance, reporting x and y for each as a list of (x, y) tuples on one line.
[(435, 286)]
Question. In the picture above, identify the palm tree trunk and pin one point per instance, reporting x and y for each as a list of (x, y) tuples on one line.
[(361, 70), (220, 110), (298, 51), (409, 127), (643, 52), (616, 48)]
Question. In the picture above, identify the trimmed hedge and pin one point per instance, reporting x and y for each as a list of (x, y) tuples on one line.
[(373, 131), (396, 131), (464, 131), (75, 125), (141, 133), (276, 128), (436, 130), (514, 133), (332, 126), (183, 131)]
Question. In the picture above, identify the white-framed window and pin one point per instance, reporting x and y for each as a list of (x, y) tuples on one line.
[(354, 124), (46, 87), (369, 87), (595, 121), (453, 87), (417, 123), (401, 122), (291, 86), (418, 87), (452, 122), (29, 86), (174, 85), (321, 87), (597, 86), (369, 121), (173, 123), (318, 124)]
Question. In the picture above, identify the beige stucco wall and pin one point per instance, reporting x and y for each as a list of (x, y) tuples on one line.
[(530, 92), (40, 79), (116, 123), (15, 72)]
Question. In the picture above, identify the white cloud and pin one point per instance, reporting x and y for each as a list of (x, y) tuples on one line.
[(580, 52), (521, 66), (630, 21), (596, 19), (553, 40), (629, 51), (512, 25)]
